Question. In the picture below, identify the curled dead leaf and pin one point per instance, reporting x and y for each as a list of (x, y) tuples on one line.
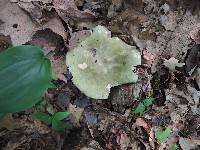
[(16, 23), (67, 9)]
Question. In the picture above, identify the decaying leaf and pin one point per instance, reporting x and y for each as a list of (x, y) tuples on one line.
[(59, 67), (55, 24), (78, 37), (36, 13), (179, 114), (172, 44), (169, 21), (67, 9), (16, 23), (141, 123), (112, 127), (188, 144), (124, 141)]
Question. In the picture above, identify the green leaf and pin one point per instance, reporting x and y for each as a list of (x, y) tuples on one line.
[(58, 125), (25, 75), (148, 102), (175, 147), (140, 109), (61, 115), (144, 106), (162, 136), (43, 117)]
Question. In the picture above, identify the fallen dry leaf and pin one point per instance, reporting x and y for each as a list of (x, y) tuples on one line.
[(152, 138), (123, 141), (56, 26), (59, 67), (141, 123), (67, 9), (16, 23), (172, 44), (188, 144), (150, 131), (77, 37), (169, 21), (36, 13)]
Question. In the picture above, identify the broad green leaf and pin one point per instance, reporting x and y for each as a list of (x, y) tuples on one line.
[(144, 106), (61, 115), (140, 109), (43, 117), (174, 147), (148, 102), (25, 75), (58, 125), (162, 136)]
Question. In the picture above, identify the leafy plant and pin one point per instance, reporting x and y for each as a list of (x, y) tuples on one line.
[(55, 120), (163, 135), (43, 117), (144, 106), (100, 62), (25, 75)]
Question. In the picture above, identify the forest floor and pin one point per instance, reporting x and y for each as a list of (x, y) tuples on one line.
[(167, 34)]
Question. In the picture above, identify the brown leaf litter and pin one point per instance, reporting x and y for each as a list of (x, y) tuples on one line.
[(67, 9)]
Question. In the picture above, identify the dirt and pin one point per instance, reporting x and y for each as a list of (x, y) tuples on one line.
[(162, 30)]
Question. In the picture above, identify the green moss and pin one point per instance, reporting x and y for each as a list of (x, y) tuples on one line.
[(101, 62)]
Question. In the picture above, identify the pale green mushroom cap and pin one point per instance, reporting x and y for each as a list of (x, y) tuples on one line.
[(101, 62)]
